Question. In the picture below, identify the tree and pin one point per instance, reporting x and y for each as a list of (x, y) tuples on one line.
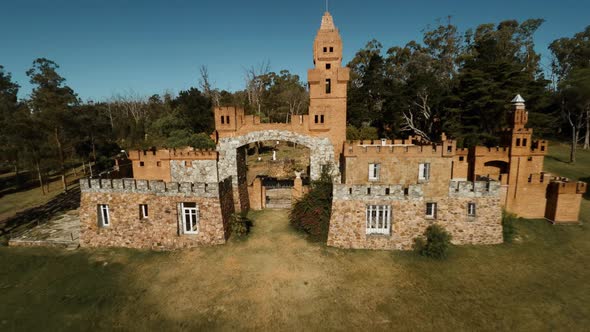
[(570, 59), (575, 104), (9, 142), (51, 102)]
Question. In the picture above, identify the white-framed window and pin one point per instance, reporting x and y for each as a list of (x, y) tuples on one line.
[(143, 211), (104, 218), (373, 172), (424, 172), (471, 209), (378, 218), (431, 210), (189, 218)]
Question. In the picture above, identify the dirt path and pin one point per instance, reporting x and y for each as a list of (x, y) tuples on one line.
[(274, 279)]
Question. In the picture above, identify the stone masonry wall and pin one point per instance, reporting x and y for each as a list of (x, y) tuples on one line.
[(408, 220), (161, 229), (196, 171)]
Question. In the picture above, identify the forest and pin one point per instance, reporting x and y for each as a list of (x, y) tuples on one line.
[(456, 82)]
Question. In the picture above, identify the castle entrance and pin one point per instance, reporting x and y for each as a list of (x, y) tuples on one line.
[(237, 154)]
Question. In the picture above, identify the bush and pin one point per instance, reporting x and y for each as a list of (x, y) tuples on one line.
[(311, 214), (436, 244), (240, 224), (508, 229)]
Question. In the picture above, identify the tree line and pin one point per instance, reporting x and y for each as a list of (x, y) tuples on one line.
[(454, 82)]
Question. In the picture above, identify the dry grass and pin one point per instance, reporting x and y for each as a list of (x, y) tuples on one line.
[(277, 280)]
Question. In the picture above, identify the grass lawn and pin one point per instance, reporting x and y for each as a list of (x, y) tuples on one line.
[(277, 280)]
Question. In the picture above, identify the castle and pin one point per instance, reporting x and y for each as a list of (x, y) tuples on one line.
[(385, 194)]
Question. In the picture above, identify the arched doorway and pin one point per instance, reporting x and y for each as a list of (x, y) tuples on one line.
[(232, 158)]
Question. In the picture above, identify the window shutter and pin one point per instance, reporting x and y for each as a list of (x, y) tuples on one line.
[(421, 172), (180, 225)]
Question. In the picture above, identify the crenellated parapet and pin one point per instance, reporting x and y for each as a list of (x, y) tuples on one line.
[(155, 187), (563, 186), (403, 148), (173, 154), (379, 192), (474, 188)]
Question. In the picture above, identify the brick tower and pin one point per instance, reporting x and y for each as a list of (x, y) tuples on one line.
[(327, 85)]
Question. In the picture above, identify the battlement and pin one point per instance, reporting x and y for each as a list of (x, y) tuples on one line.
[(540, 178), (155, 187), (173, 154), (499, 151), (408, 147), (380, 192), (563, 186), (540, 147), (474, 189)]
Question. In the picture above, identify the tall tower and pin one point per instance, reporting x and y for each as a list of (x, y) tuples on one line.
[(327, 85)]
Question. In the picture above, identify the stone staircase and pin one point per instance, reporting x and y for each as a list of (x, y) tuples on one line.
[(279, 198)]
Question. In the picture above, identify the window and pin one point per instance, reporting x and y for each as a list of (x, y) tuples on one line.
[(524, 142), (328, 66), (223, 119), (387, 191), (424, 172), (530, 158), (321, 118), (378, 219), (331, 49), (158, 163), (190, 218), (325, 49), (104, 218), (316, 118), (518, 142), (461, 158), (328, 85), (227, 119), (471, 209), (187, 163), (141, 163), (373, 172), (143, 211), (431, 210)]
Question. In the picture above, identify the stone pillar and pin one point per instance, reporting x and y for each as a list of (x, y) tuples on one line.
[(297, 187)]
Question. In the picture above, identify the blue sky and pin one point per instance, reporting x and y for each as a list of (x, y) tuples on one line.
[(107, 47)]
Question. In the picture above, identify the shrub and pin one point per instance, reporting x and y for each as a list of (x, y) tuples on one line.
[(311, 214), (508, 229), (240, 224), (436, 244)]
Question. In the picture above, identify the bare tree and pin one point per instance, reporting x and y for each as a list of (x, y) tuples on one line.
[(207, 87), (132, 105), (255, 85), (587, 136), (419, 119)]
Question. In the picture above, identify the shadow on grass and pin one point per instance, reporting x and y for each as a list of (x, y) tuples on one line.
[(557, 159)]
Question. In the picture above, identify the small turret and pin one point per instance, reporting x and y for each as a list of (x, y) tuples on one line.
[(518, 113)]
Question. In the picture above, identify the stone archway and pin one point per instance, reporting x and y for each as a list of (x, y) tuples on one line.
[(321, 153)]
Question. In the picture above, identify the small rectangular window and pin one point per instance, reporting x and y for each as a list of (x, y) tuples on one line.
[(322, 118), (143, 211), (331, 49), (373, 172), (316, 118), (386, 191), (190, 218), (328, 85), (471, 209), (461, 158), (518, 142), (424, 172), (378, 219), (227, 119), (431, 210), (325, 49), (104, 218), (141, 163), (158, 163), (530, 158), (223, 119), (524, 141), (328, 66)]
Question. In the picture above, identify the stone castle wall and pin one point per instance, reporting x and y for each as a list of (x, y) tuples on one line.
[(161, 230), (408, 220)]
